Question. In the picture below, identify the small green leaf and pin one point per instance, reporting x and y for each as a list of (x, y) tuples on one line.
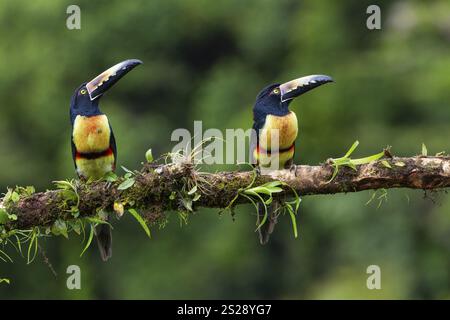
[(127, 170), (424, 150), (335, 172), (15, 197), (193, 190), (368, 159), (264, 190), (97, 220), (264, 219), (60, 228), (275, 189), (4, 217), (400, 164), (110, 177), (352, 163), (272, 184), (386, 164), (140, 220), (29, 190), (293, 219), (149, 155), (197, 196), (5, 280), (128, 183), (352, 148), (89, 240), (128, 175), (64, 185), (265, 211), (76, 227), (102, 214), (32, 246), (188, 204), (7, 196), (173, 195), (69, 195), (75, 212)]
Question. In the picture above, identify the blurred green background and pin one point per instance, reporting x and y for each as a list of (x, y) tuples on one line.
[(207, 60)]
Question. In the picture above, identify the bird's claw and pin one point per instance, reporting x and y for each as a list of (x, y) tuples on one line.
[(293, 169)]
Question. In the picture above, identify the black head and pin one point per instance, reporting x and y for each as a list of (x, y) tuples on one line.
[(268, 101), (275, 98), (86, 97), (81, 103)]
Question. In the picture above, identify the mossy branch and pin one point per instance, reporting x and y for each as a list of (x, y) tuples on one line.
[(179, 186)]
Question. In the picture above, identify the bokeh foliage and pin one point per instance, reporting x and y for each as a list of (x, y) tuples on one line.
[(206, 60)]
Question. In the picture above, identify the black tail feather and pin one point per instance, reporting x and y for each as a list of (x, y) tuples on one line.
[(104, 240)]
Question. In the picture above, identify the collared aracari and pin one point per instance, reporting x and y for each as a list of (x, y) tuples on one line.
[(271, 113), (94, 149)]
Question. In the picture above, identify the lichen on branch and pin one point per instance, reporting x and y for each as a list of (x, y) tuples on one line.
[(156, 189)]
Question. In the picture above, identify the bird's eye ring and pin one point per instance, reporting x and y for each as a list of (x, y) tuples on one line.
[(276, 91), (83, 91)]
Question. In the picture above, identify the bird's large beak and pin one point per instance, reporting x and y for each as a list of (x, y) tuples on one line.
[(105, 80), (294, 88)]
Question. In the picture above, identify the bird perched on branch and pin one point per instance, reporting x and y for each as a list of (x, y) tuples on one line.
[(275, 131), (94, 149)]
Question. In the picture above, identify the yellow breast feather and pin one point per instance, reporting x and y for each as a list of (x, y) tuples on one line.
[(91, 134), (287, 130)]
